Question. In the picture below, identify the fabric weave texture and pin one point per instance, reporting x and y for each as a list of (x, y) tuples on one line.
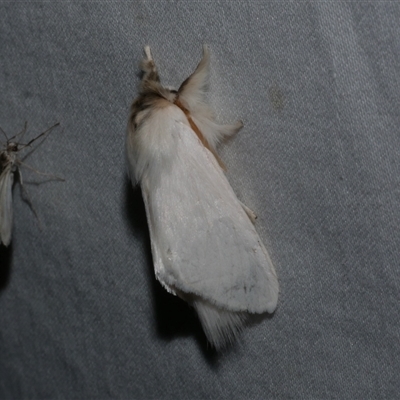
[(317, 86)]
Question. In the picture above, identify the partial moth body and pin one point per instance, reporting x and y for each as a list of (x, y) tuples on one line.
[(204, 245), (9, 165)]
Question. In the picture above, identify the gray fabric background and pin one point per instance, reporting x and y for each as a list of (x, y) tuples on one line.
[(317, 85)]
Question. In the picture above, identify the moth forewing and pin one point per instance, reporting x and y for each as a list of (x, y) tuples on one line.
[(204, 244), (10, 163)]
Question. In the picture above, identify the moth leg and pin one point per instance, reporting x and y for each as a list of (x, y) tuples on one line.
[(250, 213), (25, 197), (52, 176), (230, 130)]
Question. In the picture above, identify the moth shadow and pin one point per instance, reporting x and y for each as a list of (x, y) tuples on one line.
[(5, 265), (173, 317)]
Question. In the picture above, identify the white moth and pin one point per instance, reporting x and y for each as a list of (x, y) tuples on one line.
[(9, 165), (204, 245)]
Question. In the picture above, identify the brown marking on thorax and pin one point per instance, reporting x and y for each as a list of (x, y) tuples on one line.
[(197, 131), (143, 105)]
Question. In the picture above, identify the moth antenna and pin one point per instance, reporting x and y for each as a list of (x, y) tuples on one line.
[(39, 136), (27, 199), (148, 53), (54, 177), (149, 68), (24, 130), (5, 135), (198, 81), (22, 133)]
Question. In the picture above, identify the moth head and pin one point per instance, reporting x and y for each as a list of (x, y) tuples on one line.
[(7, 155), (171, 94), (12, 147)]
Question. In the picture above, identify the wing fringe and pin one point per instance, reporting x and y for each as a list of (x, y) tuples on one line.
[(222, 327)]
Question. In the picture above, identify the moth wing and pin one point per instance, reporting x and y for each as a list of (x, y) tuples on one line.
[(203, 242), (6, 210)]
